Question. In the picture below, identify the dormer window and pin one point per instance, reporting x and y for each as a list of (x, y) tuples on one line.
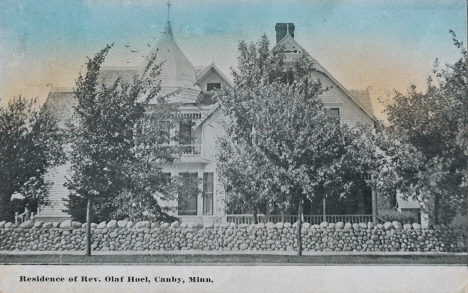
[(213, 86)]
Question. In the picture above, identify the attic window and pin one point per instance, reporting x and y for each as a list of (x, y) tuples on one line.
[(333, 113), (213, 86)]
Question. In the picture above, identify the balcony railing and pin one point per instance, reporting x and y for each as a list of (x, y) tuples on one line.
[(191, 150)]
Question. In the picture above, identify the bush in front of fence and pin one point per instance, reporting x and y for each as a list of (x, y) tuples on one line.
[(146, 236), (399, 216)]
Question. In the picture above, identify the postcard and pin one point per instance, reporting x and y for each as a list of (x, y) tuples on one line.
[(226, 146)]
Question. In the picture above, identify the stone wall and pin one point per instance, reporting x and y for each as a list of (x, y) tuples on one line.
[(146, 236)]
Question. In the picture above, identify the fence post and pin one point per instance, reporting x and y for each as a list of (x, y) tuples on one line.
[(16, 217), (324, 211)]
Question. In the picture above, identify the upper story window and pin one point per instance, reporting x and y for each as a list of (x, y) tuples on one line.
[(213, 86), (334, 113), (185, 132), (164, 132)]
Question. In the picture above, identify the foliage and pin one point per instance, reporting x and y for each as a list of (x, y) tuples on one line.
[(124, 130), (459, 222), (140, 205), (433, 124), (29, 145), (281, 146), (404, 217)]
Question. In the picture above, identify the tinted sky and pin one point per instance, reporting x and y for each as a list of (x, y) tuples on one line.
[(382, 44)]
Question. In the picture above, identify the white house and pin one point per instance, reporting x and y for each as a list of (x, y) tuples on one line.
[(193, 87)]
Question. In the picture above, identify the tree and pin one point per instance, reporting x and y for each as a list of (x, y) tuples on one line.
[(29, 145), (434, 123), (281, 146), (117, 139), (240, 175)]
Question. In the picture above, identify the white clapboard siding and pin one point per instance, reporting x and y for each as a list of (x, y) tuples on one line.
[(57, 194)]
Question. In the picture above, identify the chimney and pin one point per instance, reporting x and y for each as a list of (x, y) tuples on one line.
[(291, 29), (282, 29)]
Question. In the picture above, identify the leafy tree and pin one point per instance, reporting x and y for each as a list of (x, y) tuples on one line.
[(281, 146), (434, 123), (240, 175), (29, 145), (118, 138)]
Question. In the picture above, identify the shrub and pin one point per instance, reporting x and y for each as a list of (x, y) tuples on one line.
[(403, 217), (459, 222)]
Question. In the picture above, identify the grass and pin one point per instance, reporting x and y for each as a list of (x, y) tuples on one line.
[(233, 259)]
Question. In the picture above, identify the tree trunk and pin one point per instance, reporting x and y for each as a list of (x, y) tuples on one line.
[(299, 226), (88, 226), (374, 203), (5, 210), (436, 209), (255, 216)]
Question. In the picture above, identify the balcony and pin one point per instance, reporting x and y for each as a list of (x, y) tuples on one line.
[(191, 150)]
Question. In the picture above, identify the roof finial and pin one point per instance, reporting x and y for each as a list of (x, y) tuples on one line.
[(168, 9), (168, 29)]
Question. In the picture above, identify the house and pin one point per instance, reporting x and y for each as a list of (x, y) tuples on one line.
[(193, 86)]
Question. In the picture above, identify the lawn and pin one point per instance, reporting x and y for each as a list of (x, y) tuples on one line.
[(234, 259)]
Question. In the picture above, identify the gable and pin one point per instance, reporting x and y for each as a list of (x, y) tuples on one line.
[(292, 49), (351, 112), (363, 110), (60, 102), (364, 98), (214, 111), (212, 74), (213, 127)]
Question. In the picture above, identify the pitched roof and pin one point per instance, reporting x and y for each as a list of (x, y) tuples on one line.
[(177, 73), (201, 74), (363, 97), (110, 74), (60, 102), (293, 49), (199, 69), (407, 203), (207, 115)]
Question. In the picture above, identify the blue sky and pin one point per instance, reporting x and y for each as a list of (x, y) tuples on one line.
[(383, 44)]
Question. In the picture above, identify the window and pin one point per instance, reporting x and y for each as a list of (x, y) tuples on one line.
[(188, 193), (185, 132), (165, 132), (207, 193), (333, 113), (166, 178), (213, 86)]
